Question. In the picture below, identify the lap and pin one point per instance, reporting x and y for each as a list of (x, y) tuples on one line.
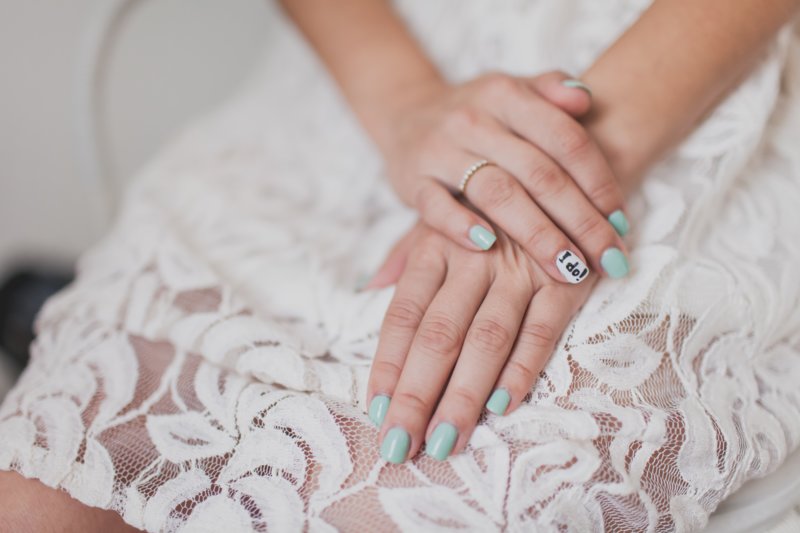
[(229, 351), (238, 394)]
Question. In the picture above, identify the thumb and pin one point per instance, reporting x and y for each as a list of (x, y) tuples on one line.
[(564, 91)]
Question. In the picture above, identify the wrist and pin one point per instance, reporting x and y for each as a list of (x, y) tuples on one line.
[(630, 139), (385, 109), (625, 153)]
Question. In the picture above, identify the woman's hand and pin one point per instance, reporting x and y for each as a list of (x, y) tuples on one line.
[(548, 186), (463, 328)]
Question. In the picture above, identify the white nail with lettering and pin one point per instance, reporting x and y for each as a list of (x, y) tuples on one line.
[(571, 267)]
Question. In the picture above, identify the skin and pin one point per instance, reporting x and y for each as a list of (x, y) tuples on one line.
[(645, 100), (510, 121), (550, 186), (669, 70), (650, 88), (37, 507), (442, 348)]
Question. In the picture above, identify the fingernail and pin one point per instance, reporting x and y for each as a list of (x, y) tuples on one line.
[(362, 281), (441, 442), (571, 266), (482, 237), (395, 445), (577, 84), (498, 401), (615, 263), (620, 222), (377, 409)]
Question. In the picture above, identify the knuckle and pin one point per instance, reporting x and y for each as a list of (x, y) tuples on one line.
[(428, 259), (603, 189), (439, 335), (521, 373), (538, 335), (501, 85), (497, 189), (574, 141), (546, 180), (592, 225), (465, 400), (404, 313), (429, 255), (426, 148), (473, 265), (536, 237), (386, 368), (412, 400), (464, 118), (489, 337)]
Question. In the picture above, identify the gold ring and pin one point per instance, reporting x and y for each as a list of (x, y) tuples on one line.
[(471, 171)]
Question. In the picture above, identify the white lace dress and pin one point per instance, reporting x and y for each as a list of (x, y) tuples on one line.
[(207, 369)]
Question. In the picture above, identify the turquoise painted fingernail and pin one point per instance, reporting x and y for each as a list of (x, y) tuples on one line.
[(482, 237), (441, 442), (377, 409), (615, 263), (577, 84), (362, 281), (395, 445), (620, 222), (498, 401)]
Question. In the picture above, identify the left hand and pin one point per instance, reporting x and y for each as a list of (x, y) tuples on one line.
[(463, 327), (548, 186)]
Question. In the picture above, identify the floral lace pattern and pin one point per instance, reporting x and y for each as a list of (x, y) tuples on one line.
[(207, 369)]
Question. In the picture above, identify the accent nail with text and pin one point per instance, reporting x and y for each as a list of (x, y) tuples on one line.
[(571, 267)]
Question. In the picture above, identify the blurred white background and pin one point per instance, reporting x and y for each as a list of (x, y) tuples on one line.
[(164, 62)]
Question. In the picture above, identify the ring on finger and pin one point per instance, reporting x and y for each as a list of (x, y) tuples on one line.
[(471, 171)]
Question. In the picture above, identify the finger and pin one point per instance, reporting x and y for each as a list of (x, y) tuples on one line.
[(488, 343), (549, 313), (429, 363), (441, 211), (557, 134), (501, 197), (558, 196), (568, 93), (418, 285), (394, 264)]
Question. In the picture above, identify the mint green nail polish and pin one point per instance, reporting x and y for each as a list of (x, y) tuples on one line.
[(577, 84), (395, 445), (620, 222), (362, 281), (498, 401), (482, 237), (615, 263), (441, 442), (377, 409)]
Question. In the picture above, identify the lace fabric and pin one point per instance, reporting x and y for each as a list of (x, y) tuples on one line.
[(207, 369)]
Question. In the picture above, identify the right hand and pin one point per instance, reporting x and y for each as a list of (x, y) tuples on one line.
[(548, 186)]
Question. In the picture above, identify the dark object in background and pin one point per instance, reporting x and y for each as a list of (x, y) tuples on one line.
[(21, 297)]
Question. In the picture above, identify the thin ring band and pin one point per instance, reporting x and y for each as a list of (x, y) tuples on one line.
[(471, 171)]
